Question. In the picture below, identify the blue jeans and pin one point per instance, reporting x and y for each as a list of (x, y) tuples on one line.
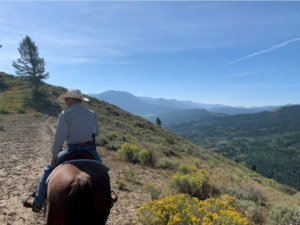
[(42, 188)]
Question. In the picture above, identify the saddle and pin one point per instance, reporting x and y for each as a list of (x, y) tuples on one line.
[(78, 155)]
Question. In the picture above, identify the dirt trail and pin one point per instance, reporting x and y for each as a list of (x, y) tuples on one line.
[(25, 149)]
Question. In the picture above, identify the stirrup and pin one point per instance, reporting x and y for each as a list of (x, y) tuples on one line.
[(114, 198), (25, 200)]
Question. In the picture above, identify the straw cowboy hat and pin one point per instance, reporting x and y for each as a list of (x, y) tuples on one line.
[(72, 93)]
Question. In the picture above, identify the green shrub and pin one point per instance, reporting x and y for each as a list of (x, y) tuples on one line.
[(250, 193), (4, 111), (144, 157), (170, 141), (195, 184), (121, 184), (254, 213), (103, 141), (283, 188), (286, 189), (154, 191), (224, 154), (38, 114), (21, 111), (243, 164), (211, 163), (182, 210), (197, 163), (168, 164), (128, 152), (147, 158), (129, 174), (270, 182), (114, 145), (113, 136), (128, 137), (186, 169), (284, 215)]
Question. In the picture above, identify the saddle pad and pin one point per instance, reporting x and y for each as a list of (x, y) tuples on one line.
[(74, 161)]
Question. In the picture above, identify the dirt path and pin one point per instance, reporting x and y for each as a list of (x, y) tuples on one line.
[(24, 149), (25, 146)]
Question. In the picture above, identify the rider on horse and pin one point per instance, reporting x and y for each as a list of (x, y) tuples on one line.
[(77, 126)]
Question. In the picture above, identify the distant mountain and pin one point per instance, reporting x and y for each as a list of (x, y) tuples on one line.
[(210, 106), (147, 107), (218, 108), (270, 140), (131, 103), (182, 116), (171, 103)]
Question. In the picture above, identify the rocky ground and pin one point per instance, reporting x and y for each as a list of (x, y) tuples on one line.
[(25, 144)]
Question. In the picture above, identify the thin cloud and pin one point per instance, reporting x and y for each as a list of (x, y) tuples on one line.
[(264, 51), (239, 74)]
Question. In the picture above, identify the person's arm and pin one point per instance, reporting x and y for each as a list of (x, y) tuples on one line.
[(61, 135)]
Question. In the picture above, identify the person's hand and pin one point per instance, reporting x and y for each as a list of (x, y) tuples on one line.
[(53, 162)]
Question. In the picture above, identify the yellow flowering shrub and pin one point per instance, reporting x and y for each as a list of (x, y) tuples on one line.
[(182, 210), (113, 136), (195, 184)]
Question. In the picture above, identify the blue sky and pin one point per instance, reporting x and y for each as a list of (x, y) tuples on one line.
[(232, 53)]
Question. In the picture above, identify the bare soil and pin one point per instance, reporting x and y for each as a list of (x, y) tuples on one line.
[(25, 149)]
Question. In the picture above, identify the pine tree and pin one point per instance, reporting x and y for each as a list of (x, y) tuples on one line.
[(253, 167), (158, 122), (30, 65)]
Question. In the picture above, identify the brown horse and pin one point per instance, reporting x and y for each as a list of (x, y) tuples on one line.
[(79, 194)]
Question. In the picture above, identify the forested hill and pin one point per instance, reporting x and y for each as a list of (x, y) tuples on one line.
[(270, 140)]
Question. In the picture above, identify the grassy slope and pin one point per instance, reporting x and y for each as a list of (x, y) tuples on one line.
[(225, 175)]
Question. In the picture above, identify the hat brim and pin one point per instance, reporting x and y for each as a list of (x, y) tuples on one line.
[(62, 97)]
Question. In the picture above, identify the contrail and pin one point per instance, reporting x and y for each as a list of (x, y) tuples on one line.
[(264, 51)]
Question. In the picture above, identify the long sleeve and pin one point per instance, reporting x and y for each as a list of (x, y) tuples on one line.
[(61, 134)]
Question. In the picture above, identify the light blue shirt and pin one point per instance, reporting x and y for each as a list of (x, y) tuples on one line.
[(75, 125)]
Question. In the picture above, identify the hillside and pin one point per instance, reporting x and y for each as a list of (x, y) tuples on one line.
[(242, 110), (27, 126), (270, 140)]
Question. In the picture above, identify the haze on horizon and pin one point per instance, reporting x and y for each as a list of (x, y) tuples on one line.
[(230, 53)]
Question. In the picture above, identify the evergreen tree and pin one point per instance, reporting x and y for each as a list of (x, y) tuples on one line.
[(30, 65), (158, 122), (253, 167)]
